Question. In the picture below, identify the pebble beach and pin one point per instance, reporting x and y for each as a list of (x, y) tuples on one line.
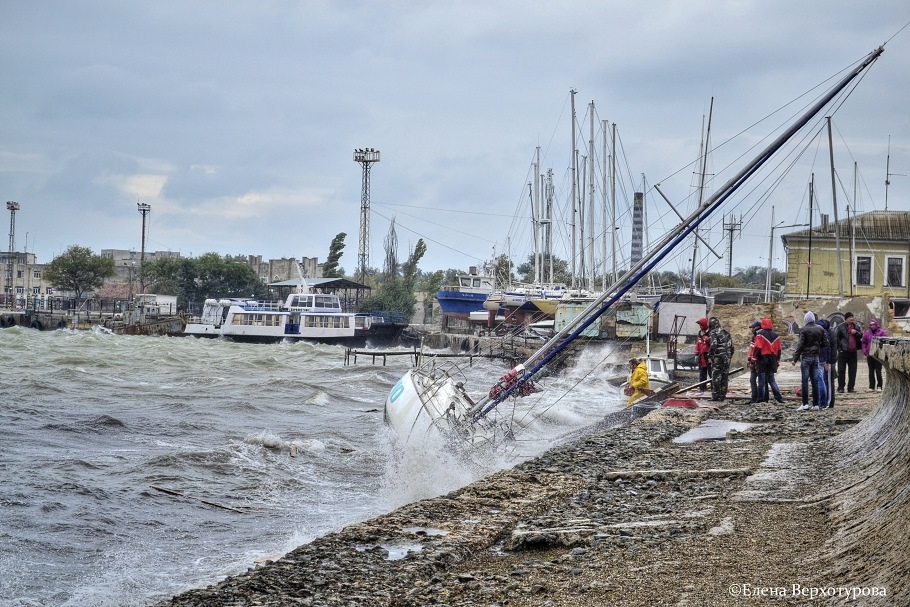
[(635, 515)]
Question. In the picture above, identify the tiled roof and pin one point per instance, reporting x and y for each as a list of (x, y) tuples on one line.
[(876, 225)]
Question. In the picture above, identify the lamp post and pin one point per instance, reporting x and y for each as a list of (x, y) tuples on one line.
[(12, 206), (130, 268), (771, 251), (145, 209)]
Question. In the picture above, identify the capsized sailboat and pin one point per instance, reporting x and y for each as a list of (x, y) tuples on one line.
[(430, 403)]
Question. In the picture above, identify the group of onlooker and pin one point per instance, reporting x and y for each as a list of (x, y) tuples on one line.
[(821, 347), (826, 354)]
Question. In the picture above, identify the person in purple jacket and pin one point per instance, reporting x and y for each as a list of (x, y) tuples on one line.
[(875, 365)]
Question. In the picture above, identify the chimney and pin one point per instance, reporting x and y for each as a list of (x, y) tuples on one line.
[(638, 228)]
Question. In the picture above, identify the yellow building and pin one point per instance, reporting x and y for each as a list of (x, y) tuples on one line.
[(863, 255)]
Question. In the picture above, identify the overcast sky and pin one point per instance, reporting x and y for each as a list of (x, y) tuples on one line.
[(237, 121)]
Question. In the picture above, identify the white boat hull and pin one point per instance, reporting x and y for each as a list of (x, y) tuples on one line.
[(429, 406)]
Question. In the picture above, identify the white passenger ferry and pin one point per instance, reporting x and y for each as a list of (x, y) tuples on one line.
[(307, 316)]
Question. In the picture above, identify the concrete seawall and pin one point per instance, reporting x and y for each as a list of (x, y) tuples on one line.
[(800, 508), (870, 487)]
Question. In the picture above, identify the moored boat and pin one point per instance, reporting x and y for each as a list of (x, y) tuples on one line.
[(302, 316), (428, 403), (468, 295)]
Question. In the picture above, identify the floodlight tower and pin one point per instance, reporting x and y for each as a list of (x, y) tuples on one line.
[(12, 206), (145, 209), (366, 157)]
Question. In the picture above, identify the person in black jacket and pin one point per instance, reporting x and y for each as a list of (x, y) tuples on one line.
[(849, 337), (828, 358), (812, 340)]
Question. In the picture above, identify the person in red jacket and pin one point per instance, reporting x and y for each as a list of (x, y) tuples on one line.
[(702, 347), (767, 360)]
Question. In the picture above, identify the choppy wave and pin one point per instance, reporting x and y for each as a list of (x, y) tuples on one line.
[(125, 450)]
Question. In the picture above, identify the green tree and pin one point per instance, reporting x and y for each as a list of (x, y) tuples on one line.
[(79, 270), (397, 295), (561, 274), (193, 280), (501, 270), (330, 268), (429, 284)]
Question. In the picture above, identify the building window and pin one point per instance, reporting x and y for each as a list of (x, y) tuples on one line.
[(863, 271), (19, 273), (20, 290), (36, 275), (895, 274), (36, 290)]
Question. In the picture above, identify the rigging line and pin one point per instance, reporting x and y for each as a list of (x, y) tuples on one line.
[(768, 116), (437, 224), (538, 415), (903, 27), (556, 128), (459, 211), (427, 238), (779, 177)]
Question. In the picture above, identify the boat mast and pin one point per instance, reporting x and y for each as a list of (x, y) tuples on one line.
[(603, 240), (840, 263), (671, 240), (574, 178), (548, 234), (591, 237), (582, 187), (538, 184), (701, 190), (615, 272)]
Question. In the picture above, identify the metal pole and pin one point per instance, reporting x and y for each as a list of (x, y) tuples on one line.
[(145, 209), (809, 255), (770, 256), (12, 206), (840, 263), (574, 178)]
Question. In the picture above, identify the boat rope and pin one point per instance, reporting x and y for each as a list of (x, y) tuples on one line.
[(670, 242)]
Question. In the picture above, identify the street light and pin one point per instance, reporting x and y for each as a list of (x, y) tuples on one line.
[(145, 209), (130, 268), (771, 251)]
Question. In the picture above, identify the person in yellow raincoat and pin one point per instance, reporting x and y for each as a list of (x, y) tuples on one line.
[(639, 385)]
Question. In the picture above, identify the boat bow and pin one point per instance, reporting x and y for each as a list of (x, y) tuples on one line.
[(430, 403)]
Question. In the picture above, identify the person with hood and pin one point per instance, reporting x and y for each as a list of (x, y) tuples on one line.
[(767, 342), (875, 365), (849, 335), (828, 359), (639, 383), (751, 360), (812, 339), (702, 346), (720, 351)]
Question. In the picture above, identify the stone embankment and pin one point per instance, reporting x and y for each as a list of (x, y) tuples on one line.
[(798, 508)]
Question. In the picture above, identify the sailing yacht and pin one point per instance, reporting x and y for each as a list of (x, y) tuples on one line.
[(429, 403)]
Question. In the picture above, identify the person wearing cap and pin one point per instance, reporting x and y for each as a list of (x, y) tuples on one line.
[(751, 360), (767, 344), (875, 365), (849, 337), (639, 382), (812, 339), (702, 346)]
